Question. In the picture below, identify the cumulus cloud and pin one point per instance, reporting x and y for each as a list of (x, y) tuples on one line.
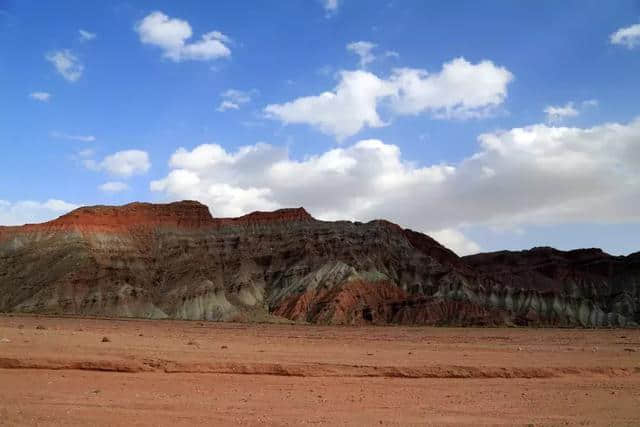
[(364, 50), (342, 112), (172, 35), (628, 36), (86, 36), (456, 241), (66, 64), (232, 99), (336, 184), (82, 138), (114, 187), (558, 113), (534, 175), (28, 211), (122, 163), (40, 96), (460, 90)]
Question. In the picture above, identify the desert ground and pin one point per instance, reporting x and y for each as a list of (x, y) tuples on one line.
[(72, 371)]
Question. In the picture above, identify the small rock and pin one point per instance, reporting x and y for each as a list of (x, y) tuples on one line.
[(224, 347), (630, 350), (20, 326), (192, 343), (5, 340), (594, 349), (40, 327), (106, 339), (519, 348)]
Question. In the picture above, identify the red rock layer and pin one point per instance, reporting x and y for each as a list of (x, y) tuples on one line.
[(356, 302), (280, 215), (184, 214), (175, 260), (111, 218)]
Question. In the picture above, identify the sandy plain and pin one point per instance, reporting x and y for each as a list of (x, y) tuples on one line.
[(72, 371)]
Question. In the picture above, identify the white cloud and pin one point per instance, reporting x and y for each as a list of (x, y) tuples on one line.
[(28, 211), (114, 187), (331, 6), (342, 112), (456, 241), (172, 34), (241, 97), (40, 96), (83, 138), (66, 64), (460, 90), (86, 36), (227, 105), (122, 163), (533, 175), (217, 35), (364, 50), (628, 36), (335, 184), (559, 113), (232, 99)]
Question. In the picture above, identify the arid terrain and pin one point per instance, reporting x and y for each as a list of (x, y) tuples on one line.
[(177, 261), (73, 371)]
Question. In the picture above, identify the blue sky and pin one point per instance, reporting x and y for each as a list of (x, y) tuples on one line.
[(489, 125)]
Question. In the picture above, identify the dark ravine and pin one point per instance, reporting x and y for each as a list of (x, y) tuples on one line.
[(177, 261)]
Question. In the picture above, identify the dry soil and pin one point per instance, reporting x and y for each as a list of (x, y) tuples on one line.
[(70, 371)]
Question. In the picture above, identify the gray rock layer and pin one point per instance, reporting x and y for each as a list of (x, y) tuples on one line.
[(286, 265)]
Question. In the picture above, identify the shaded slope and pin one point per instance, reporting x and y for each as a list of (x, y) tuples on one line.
[(177, 261)]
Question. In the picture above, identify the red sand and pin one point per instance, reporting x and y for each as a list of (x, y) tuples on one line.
[(184, 373)]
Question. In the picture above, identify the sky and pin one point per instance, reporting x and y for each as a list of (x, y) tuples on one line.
[(488, 125)]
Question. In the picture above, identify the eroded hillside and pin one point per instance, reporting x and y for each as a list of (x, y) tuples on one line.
[(177, 261)]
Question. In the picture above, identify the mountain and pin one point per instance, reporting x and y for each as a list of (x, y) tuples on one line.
[(176, 261)]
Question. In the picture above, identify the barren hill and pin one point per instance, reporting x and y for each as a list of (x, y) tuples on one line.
[(177, 261)]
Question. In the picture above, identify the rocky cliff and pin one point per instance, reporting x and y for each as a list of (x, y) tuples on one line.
[(177, 261)]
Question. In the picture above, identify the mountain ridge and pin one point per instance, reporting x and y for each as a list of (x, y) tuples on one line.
[(176, 260)]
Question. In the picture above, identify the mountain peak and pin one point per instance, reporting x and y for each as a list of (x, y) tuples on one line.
[(186, 213)]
